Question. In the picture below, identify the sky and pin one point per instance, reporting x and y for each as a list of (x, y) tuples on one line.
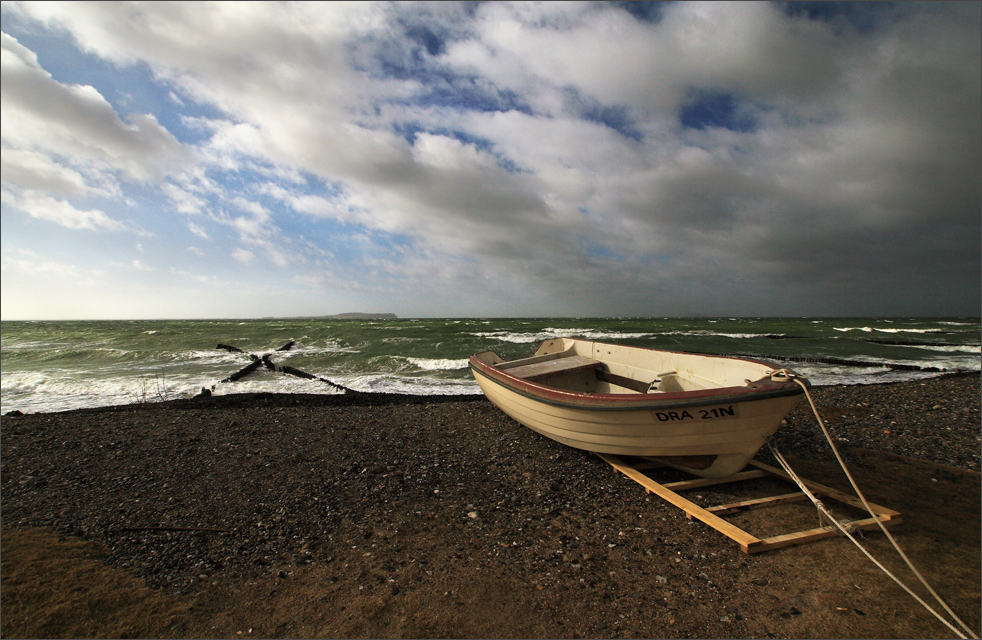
[(225, 160)]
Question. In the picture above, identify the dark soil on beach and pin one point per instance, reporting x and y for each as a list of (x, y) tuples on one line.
[(388, 516)]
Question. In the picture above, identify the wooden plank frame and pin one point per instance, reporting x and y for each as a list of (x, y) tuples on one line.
[(750, 543)]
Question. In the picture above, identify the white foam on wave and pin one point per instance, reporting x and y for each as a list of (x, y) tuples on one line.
[(828, 375), (409, 385), (22, 382), (593, 334), (275, 383), (719, 334), (440, 364), (330, 348), (219, 357), (951, 348), (549, 333), (63, 391), (507, 336), (32, 345), (887, 330)]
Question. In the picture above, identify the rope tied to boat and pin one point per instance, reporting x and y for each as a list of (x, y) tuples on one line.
[(783, 376)]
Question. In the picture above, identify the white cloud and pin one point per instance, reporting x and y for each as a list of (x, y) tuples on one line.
[(184, 200), (203, 279), (542, 145), (41, 114), (198, 231), (34, 266), (40, 172), (244, 255), (60, 212)]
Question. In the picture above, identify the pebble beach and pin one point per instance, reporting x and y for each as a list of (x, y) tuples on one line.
[(266, 515)]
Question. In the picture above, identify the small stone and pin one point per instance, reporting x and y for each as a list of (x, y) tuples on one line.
[(472, 515)]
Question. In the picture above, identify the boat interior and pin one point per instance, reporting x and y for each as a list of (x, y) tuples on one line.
[(636, 371)]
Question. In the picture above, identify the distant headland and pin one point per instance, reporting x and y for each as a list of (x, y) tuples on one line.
[(360, 316), (340, 316)]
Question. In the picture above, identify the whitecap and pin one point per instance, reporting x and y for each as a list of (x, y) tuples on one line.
[(951, 348), (440, 364)]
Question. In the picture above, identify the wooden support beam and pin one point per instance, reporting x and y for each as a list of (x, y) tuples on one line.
[(709, 482), (744, 539), (810, 535), (888, 515), (768, 501)]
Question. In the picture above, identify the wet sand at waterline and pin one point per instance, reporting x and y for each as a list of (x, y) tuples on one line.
[(410, 516)]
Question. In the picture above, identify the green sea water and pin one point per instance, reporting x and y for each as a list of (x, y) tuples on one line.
[(54, 366)]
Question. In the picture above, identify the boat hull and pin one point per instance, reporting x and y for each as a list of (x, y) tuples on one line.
[(710, 434)]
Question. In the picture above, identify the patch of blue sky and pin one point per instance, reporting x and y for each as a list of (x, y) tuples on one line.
[(415, 58), (313, 185), (87, 247), (613, 117), (643, 10), (426, 38), (242, 181), (350, 244), (129, 89), (393, 56), (864, 17), (716, 109), (465, 93), (336, 232)]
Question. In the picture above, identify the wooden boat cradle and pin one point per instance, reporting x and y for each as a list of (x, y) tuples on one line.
[(748, 542)]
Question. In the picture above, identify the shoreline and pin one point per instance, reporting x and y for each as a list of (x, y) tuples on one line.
[(383, 397), (324, 515)]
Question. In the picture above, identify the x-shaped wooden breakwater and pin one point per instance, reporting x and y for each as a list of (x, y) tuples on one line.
[(266, 360)]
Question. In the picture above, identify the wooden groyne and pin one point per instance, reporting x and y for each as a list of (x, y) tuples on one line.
[(244, 371), (267, 361)]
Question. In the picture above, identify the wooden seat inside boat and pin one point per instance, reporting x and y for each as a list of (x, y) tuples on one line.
[(564, 365)]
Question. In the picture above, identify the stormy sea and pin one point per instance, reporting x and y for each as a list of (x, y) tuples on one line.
[(60, 365)]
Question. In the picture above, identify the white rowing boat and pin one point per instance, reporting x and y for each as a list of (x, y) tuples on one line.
[(708, 415)]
